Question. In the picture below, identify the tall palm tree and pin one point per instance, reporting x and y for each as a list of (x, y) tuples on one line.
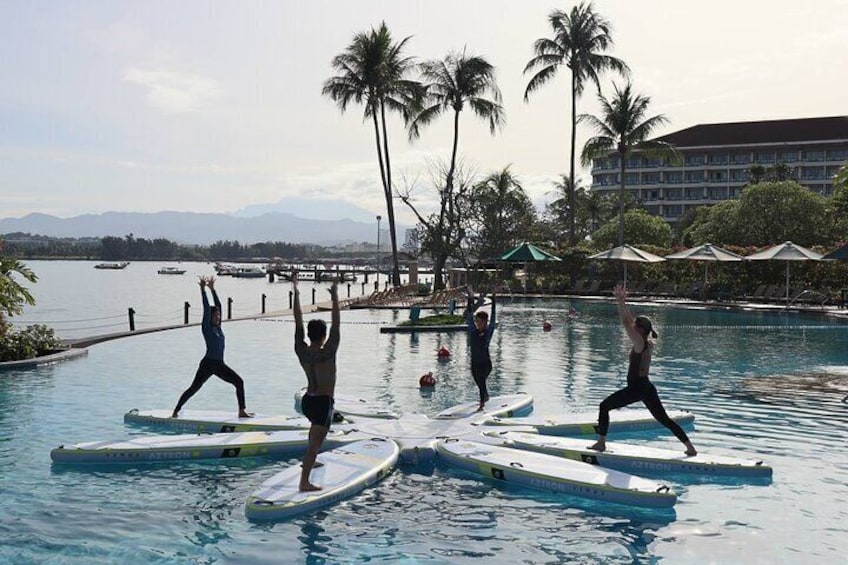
[(622, 129), (452, 83), (372, 71), (580, 39)]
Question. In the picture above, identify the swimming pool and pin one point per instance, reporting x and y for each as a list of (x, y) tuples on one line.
[(767, 383)]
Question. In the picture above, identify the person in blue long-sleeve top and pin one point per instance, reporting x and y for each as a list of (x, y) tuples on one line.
[(480, 330), (213, 362)]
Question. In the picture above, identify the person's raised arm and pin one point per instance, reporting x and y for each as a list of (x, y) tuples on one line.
[(210, 282), (299, 334), (492, 319), (335, 330), (470, 308), (207, 313), (626, 317)]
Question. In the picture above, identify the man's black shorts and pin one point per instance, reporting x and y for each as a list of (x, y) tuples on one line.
[(319, 409)]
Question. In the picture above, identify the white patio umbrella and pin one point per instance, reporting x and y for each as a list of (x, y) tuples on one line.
[(707, 253), (788, 252), (627, 253)]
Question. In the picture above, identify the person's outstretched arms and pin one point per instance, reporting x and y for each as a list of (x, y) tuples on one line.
[(207, 312), (626, 317), (470, 307), (491, 329), (210, 282)]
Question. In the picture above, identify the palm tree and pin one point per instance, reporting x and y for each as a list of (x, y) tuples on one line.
[(13, 295), (372, 72), (457, 81), (580, 38), (505, 212), (622, 129)]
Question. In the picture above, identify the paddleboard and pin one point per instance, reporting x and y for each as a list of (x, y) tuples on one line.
[(636, 458), (351, 406), (213, 421), (547, 472), (507, 406), (346, 471), (586, 423), (150, 449)]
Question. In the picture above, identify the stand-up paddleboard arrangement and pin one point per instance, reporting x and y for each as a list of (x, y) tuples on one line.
[(548, 472), (351, 406), (344, 472), (636, 458), (495, 442), (586, 423), (153, 449)]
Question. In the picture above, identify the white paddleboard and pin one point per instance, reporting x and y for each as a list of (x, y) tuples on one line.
[(345, 471), (151, 449), (551, 473), (586, 423), (214, 421), (351, 406), (507, 406), (636, 458)]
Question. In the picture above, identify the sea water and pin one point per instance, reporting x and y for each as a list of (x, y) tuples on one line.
[(769, 386)]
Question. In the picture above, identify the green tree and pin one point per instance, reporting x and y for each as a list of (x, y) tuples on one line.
[(623, 129), (13, 295), (640, 228), (503, 213), (372, 71), (756, 173), (580, 40)]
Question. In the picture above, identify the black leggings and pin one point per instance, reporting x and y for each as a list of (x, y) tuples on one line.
[(480, 374), (647, 393), (206, 369)]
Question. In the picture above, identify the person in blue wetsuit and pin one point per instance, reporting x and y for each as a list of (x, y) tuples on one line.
[(639, 387), (213, 362), (480, 330), (318, 360)]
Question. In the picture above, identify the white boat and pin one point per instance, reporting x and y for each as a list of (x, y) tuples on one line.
[(248, 273), (171, 271), (112, 266), (222, 269)]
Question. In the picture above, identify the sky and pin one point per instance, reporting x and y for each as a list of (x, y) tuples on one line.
[(214, 106)]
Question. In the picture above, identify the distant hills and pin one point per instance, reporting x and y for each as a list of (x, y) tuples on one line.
[(204, 228)]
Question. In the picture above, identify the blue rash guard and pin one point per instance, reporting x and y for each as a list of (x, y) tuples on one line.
[(213, 335)]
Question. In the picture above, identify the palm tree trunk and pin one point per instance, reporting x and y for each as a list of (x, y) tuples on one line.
[(571, 239), (390, 208), (621, 154), (453, 155)]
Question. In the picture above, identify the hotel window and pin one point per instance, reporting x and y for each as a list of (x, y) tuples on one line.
[(735, 191), (673, 194), (741, 158), (813, 173), (765, 157), (651, 163), (738, 175), (718, 159), (693, 177), (718, 193), (695, 160), (813, 155), (674, 211), (789, 157), (631, 178), (651, 194), (718, 176), (634, 163), (694, 194), (837, 155), (651, 178), (674, 177)]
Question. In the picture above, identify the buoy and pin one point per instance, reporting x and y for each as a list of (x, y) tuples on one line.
[(443, 352), (547, 326), (427, 380)]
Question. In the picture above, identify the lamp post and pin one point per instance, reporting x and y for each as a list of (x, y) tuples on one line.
[(378, 248)]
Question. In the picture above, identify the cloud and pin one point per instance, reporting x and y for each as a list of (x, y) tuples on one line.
[(175, 92)]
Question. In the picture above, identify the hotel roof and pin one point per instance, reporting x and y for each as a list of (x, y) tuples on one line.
[(772, 131)]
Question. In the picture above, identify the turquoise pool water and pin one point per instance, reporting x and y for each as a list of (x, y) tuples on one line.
[(770, 385)]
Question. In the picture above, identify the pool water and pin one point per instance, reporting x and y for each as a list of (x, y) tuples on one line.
[(762, 385)]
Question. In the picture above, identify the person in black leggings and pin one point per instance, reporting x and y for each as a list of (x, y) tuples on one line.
[(480, 330), (213, 362), (639, 387)]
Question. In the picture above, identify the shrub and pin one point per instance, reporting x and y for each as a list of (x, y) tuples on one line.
[(27, 343)]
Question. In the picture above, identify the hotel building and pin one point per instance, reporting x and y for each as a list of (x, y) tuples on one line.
[(716, 159)]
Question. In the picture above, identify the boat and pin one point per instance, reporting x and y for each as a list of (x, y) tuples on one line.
[(222, 269), (171, 271), (248, 273), (341, 276), (113, 266)]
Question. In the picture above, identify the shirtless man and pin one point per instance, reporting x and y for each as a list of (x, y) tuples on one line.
[(318, 360)]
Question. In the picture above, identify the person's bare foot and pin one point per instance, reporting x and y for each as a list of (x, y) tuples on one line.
[(309, 487), (175, 414), (243, 414), (691, 452), (599, 446), (481, 408)]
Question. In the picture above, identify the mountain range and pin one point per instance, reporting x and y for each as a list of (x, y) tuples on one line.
[(207, 228)]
